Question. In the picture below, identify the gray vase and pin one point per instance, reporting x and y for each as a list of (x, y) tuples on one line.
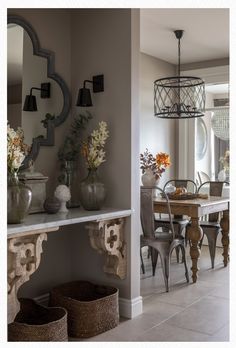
[(19, 198), (92, 191)]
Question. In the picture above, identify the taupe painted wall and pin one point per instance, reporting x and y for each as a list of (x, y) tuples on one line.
[(86, 43), (106, 49), (158, 135)]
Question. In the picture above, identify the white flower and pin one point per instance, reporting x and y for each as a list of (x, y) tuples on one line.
[(93, 148), (18, 158), (16, 149)]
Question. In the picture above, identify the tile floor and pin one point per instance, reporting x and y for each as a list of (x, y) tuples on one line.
[(189, 312)]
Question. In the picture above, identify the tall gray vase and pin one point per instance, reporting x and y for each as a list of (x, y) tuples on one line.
[(92, 191), (19, 198)]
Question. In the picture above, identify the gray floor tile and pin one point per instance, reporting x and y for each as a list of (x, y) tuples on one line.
[(169, 333), (208, 315), (221, 336)]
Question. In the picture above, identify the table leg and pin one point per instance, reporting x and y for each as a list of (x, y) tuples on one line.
[(195, 235), (224, 223)]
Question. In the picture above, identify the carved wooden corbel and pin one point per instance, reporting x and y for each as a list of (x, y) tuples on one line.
[(24, 256), (108, 237)]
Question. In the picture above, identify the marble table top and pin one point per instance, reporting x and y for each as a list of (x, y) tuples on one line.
[(40, 221)]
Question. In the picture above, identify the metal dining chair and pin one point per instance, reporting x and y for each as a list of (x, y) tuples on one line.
[(211, 223), (160, 242), (179, 221), (203, 177)]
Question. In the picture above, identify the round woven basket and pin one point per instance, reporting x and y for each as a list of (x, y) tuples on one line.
[(92, 309), (38, 323)]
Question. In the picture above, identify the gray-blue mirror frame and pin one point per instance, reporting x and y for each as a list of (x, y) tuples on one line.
[(59, 119)]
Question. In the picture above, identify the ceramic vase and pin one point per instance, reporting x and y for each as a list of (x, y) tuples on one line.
[(222, 175), (92, 191), (148, 179), (19, 197)]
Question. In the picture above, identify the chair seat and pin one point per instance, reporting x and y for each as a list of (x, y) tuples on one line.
[(178, 221), (163, 235), (166, 236), (209, 224)]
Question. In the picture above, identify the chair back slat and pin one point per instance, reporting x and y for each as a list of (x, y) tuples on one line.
[(147, 211), (215, 189), (190, 185)]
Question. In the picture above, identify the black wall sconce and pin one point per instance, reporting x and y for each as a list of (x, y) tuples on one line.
[(30, 99), (84, 96)]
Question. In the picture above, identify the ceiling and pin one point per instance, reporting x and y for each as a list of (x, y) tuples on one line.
[(206, 33)]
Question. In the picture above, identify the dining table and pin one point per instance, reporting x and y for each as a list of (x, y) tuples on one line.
[(195, 209)]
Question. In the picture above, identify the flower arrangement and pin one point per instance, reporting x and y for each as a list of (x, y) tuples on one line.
[(16, 149), (93, 148), (157, 164), (225, 160)]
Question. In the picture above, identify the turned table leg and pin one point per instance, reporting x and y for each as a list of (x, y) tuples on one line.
[(195, 235), (224, 223)]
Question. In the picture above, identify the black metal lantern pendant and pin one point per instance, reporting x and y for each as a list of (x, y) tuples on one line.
[(180, 96)]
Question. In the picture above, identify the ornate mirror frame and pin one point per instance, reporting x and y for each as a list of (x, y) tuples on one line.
[(58, 120)]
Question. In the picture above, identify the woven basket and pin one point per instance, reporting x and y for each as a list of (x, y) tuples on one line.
[(38, 323), (92, 309)]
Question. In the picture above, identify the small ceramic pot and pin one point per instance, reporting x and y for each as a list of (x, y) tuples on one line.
[(52, 205)]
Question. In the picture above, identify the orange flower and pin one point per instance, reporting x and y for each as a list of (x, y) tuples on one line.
[(163, 159)]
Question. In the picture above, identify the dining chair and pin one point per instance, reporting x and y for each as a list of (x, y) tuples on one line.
[(179, 221), (203, 177), (211, 223), (160, 242)]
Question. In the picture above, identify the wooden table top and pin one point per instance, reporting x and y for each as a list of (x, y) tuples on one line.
[(196, 207), (211, 200)]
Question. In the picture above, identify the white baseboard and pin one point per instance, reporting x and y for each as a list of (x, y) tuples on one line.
[(127, 308), (131, 308)]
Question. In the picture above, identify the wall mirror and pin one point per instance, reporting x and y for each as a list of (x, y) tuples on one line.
[(30, 66)]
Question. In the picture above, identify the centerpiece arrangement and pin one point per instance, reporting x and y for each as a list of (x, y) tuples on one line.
[(92, 189), (19, 196), (153, 167)]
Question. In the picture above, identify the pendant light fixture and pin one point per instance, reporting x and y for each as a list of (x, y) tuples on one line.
[(220, 118), (180, 96)]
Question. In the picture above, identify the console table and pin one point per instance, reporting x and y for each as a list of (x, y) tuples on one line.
[(106, 234)]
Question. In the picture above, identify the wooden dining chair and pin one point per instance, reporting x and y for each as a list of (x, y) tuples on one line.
[(211, 223), (179, 221), (160, 242)]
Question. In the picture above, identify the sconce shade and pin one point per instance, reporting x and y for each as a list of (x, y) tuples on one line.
[(84, 97), (30, 103)]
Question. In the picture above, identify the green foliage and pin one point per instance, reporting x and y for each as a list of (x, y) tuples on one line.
[(72, 143)]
